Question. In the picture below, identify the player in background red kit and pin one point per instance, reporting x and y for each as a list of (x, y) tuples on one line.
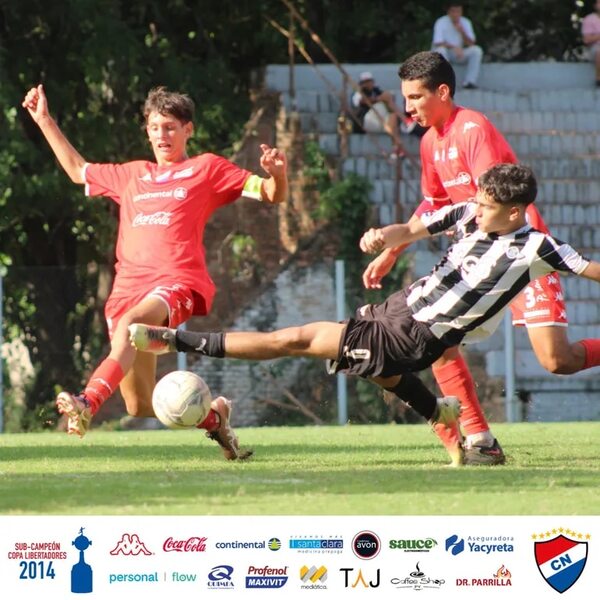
[(460, 145), (161, 275)]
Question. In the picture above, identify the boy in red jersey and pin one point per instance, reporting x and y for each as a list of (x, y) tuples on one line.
[(459, 146), (161, 275)]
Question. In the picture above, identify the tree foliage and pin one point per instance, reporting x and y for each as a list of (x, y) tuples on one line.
[(98, 58)]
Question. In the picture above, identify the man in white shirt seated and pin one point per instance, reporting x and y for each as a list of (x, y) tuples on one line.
[(454, 39)]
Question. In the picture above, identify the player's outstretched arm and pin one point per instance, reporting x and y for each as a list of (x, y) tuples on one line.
[(393, 236), (70, 160), (274, 162), (592, 271)]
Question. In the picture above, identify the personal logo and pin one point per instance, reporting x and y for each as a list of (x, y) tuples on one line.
[(455, 545), (419, 545), (417, 580), (220, 578), (192, 544), (274, 544), (501, 578), (266, 577), (180, 193), (316, 544), (353, 580), (313, 578), (82, 581), (561, 555), (366, 545), (130, 545)]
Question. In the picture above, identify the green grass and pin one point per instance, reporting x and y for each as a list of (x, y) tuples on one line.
[(378, 470)]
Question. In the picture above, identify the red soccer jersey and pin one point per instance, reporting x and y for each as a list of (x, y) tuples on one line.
[(163, 212), (453, 160)]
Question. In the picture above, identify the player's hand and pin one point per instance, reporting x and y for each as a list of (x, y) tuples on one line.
[(273, 161), (377, 269), (459, 53), (372, 241), (37, 105)]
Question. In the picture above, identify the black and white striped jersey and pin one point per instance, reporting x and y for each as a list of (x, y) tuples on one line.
[(462, 300)]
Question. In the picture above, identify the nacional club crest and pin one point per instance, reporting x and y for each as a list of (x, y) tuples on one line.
[(560, 559)]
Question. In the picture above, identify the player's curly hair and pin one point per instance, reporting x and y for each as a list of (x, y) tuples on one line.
[(509, 184), (430, 67), (164, 102)]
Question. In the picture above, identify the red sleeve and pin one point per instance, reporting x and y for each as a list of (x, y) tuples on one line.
[(483, 146), (107, 179), (227, 180), (431, 185)]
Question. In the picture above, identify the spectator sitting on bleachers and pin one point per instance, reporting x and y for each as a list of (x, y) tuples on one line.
[(590, 31), (376, 111), (454, 39)]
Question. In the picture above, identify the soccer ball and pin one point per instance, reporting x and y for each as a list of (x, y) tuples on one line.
[(181, 400)]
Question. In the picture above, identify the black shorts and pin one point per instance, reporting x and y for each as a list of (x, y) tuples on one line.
[(384, 340)]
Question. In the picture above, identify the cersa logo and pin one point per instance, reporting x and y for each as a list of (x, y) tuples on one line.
[(366, 545), (561, 557), (130, 545)]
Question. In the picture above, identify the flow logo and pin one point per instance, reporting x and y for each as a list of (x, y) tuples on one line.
[(560, 559), (366, 545), (81, 573), (455, 545)]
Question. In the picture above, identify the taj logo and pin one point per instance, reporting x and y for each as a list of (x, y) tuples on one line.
[(560, 559)]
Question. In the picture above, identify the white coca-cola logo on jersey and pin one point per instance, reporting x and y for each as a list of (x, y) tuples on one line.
[(192, 544), (180, 193), (158, 218)]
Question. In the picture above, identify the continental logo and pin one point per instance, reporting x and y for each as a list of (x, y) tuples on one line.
[(420, 545)]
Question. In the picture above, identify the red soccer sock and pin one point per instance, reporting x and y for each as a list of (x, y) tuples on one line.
[(455, 379), (103, 382), (592, 353), (211, 422)]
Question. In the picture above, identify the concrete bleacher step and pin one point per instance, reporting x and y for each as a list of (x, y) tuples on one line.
[(582, 99)]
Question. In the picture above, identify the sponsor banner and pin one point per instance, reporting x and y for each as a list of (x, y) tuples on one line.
[(191, 557)]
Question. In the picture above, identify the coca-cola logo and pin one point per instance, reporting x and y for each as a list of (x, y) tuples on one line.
[(158, 218), (192, 544)]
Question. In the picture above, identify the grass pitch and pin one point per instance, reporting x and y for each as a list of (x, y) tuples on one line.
[(553, 468)]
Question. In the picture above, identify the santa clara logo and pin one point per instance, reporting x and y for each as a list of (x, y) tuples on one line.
[(561, 555)]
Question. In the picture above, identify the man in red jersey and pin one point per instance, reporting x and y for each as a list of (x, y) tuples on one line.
[(161, 275), (459, 146)]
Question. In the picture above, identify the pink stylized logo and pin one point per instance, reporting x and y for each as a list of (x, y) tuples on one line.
[(192, 544), (130, 545)]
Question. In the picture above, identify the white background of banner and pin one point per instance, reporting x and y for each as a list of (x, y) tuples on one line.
[(105, 532)]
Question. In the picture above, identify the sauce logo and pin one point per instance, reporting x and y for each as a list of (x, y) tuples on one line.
[(561, 559), (423, 545), (366, 545)]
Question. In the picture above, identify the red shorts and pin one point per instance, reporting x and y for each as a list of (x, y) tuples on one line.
[(540, 304), (179, 300)]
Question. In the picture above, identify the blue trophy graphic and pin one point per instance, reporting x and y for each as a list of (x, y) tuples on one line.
[(81, 573)]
